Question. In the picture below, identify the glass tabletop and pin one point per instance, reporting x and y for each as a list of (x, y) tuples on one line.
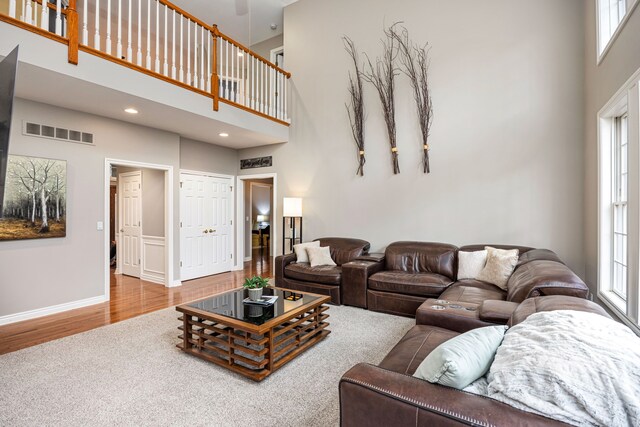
[(231, 304)]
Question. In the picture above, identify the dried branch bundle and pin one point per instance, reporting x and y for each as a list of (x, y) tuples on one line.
[(415, 63), (382, 77), (355, 109)]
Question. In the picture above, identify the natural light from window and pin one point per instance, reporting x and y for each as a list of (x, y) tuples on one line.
[(610, 15)]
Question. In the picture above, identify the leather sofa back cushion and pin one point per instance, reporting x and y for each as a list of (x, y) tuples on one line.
[(538, 255), (538, 278), (421, 257), (552, 303), (472, 248), (344, 250)]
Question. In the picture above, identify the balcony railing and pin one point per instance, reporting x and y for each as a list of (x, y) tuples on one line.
[(160, 39)]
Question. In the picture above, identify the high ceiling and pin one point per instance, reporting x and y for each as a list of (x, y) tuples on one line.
[(247, 21)]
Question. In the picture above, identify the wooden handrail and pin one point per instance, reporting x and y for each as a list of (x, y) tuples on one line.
[(186, 14), (250, 52)]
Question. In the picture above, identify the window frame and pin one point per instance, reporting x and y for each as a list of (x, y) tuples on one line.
[(625, 102), (603, 49)]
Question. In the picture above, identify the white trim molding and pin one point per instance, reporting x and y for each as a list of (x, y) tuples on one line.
[(153, 262), (46, 311), (601, 54)]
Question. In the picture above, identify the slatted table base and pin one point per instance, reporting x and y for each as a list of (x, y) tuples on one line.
[(254, 356)]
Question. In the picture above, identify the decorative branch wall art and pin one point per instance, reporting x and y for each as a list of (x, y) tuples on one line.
[(415, 64), (382, 77), (35, 199), (355, 108)]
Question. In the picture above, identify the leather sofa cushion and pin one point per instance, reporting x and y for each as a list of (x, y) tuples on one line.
[(401, 282), (411, 350), (551, 303), (421, 257), (344, 250), (497, 311), (326, 274), (538, 278), (538, 255), (479, 247), (472, 291)]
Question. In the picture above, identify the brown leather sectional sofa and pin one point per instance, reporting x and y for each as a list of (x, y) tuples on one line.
[(388, 394), (325, 280)]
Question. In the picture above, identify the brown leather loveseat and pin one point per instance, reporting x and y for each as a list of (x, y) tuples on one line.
[(325, 280)]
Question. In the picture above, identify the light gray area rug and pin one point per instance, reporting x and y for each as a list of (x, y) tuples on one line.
[(130, 373)]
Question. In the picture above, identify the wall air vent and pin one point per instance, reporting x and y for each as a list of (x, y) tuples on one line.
[(57, 133)]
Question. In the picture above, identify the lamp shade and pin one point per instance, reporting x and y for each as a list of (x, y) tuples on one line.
[(262, 218), (292, 207)]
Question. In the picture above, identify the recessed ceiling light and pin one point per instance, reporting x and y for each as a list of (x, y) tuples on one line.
[(223, 134), (131, 111)]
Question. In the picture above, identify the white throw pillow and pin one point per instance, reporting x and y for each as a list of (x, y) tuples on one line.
[(470, 264), (320, 256), (463, 359), (500, 265), (301, 250)]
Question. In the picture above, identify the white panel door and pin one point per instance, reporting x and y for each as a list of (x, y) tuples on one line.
[(205, 225), (130, 184)]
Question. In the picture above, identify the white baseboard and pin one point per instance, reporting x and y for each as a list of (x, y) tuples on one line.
[(152, 279), (45, 311), (247, 258), (174, 284)]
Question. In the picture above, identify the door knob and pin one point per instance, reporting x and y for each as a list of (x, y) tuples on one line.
[(122, 230), (212, 231), (205, 231)]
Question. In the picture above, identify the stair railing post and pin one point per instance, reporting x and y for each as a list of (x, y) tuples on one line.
[(215, 87), (72, 31)]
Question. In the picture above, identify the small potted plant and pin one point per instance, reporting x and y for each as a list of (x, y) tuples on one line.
[(255, 285)]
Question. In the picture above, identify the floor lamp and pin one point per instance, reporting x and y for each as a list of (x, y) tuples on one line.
[(292, 211)]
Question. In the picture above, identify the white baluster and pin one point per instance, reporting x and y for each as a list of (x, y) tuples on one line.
[(181, 49), (208, 61), (35, 14), (244, 72), (280, 97), (96, 37), (232, 79), (44, 18), (165, 70), (189, 76), (284, 97), (119, 41), (202, 61), (157, 63), (173, 46), (29, 12), (226, 73), (253, 82), (12, 8), (45, 12), (129, 35), (148, 58), (195, 81), (108, 41), (139, 53), (85, 29), (23, 17)]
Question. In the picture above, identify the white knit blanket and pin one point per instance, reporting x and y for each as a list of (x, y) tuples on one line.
[(572, 366)]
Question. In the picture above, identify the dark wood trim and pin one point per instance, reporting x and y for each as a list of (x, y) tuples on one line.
[(72, 32), (252, 53), (138, 68), (33, 29), (258, 113)]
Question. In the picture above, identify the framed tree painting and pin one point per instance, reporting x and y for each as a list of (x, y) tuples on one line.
[(35, 199)]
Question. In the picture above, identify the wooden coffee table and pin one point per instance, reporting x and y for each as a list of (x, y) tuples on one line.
[(251, 340)]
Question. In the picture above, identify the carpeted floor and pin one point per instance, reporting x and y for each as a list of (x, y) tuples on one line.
[(131, 373)]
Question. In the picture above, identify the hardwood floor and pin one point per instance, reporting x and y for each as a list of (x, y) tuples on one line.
[(130, 297)]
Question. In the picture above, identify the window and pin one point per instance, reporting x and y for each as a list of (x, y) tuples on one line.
[(619, 203), (610, 14)]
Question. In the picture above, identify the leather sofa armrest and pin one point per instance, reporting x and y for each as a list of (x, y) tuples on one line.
[(281, 262), (372, 396), (355, 275), (371, 257), (543, 277), (497, 311)]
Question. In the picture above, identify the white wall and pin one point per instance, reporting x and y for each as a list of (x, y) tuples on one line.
[(36, 274), (601, 83), (507, 138)]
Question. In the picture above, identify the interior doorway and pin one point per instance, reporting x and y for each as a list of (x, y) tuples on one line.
[(139, 221), (257, 218)]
